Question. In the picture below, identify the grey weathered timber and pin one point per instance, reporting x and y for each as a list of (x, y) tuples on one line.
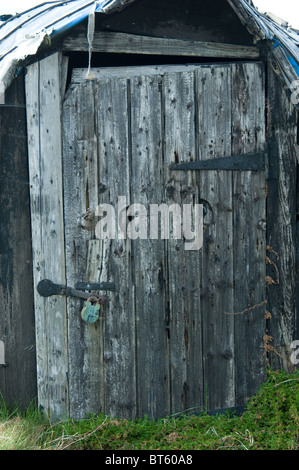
[(149, 255), (172, 335), (81, 183), (123, 43), (185, 108), (249, 234), (45, 170), (79, 75), (90, 146), (178, 309), (18, 380), (183, 266), (214, 128), (281, 228), (113, 111)]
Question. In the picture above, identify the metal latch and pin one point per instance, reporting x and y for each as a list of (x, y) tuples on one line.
[(91, 310), (47, 288)]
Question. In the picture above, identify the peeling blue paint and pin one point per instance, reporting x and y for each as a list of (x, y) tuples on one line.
[(290, 58), (293, 63)]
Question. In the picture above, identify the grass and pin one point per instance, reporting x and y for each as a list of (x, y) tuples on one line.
[(19, 430), (270, 422)]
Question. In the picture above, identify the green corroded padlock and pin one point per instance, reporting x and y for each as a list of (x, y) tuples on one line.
[(91, 311)]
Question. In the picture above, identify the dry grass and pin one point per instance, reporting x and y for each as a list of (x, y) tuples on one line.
[(19, 433)]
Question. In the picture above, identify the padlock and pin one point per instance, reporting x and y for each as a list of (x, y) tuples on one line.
[(91, 310)]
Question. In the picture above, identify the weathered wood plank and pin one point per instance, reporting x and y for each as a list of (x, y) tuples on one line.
[(95, 154), (18, 381), (214, 106), (249, 212), (80, 169), (153, 393), (79, 75), (281, 226), (114, 181), (45, 170), (183, 265), (123, 43), (93, 369)]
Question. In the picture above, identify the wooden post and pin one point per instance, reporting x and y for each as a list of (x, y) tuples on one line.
[(43, 102), (281, 227)]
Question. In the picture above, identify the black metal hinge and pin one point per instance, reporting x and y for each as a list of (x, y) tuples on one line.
[(245, 162), (259, 161)]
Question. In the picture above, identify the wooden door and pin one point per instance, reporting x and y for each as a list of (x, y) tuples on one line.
[(183, 329)]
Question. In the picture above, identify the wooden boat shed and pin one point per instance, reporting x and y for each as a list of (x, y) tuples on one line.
[(154, 102)]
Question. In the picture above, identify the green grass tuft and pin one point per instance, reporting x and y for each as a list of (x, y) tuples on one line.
[(270, 422)]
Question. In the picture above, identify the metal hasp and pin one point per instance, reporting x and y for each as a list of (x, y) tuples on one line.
[(260, 161), (2, 355), (47, 288), (95, 286)]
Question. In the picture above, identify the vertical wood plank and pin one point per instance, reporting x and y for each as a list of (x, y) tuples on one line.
[(81, 200), (45, 169), (214, 140), (148, 255), (183, 265), (18, 381), (281, 226), (114, 181), (249, 204), (93, 336)]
